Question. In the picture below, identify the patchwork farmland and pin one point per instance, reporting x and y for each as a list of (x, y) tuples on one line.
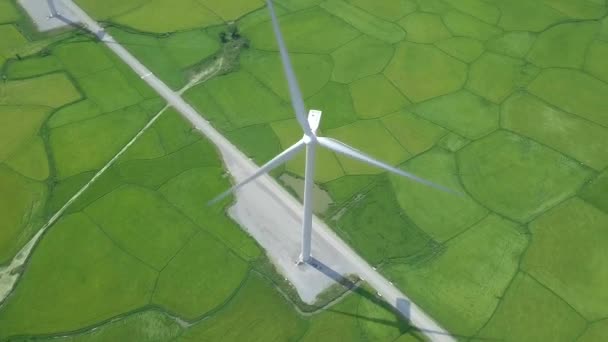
[(502, 101)]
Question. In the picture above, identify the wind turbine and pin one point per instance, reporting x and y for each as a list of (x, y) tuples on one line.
[(311, 141)]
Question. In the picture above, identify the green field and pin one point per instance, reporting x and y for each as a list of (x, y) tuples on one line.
[(503, 101)]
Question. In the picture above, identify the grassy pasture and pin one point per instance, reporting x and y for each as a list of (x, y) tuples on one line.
[(465, 49), (594, 192), (11, 39), (232, 10), (464, 25), (548, 50), (83, 58), (495, 77)]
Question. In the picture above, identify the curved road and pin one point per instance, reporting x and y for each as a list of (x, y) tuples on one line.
[(272, 215)]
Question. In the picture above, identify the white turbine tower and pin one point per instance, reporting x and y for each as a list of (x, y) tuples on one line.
[(310, 141)]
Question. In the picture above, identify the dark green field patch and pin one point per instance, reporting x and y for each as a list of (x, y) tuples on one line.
[(143, 224), (259, 142), (553, 319), (462, 286), (194, 283), (33, 67), (91, 281), (441, 215), (379, 229), (83, 58), (594, 63), (152, 173), (78, 111), (517, 177), (8, 12), (573, 263)]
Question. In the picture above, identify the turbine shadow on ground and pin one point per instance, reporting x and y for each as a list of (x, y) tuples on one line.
[(402, 305), (54, 13)]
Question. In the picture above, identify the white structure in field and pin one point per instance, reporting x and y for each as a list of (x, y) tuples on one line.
[(311, 141)]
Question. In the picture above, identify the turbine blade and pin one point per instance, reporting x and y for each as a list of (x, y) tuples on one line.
[(294, 89), (348, 151), (281, 158)]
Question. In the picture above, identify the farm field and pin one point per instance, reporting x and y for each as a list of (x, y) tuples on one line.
[(504, 101)]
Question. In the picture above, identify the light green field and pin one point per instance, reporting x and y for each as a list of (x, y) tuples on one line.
[(518, 177), (176, 16), (366, 92), (33, 67), (53, 90), (373, 55), (8, 12), (464, 282)]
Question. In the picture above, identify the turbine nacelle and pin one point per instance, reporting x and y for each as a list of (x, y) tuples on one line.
[(314, 119)]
